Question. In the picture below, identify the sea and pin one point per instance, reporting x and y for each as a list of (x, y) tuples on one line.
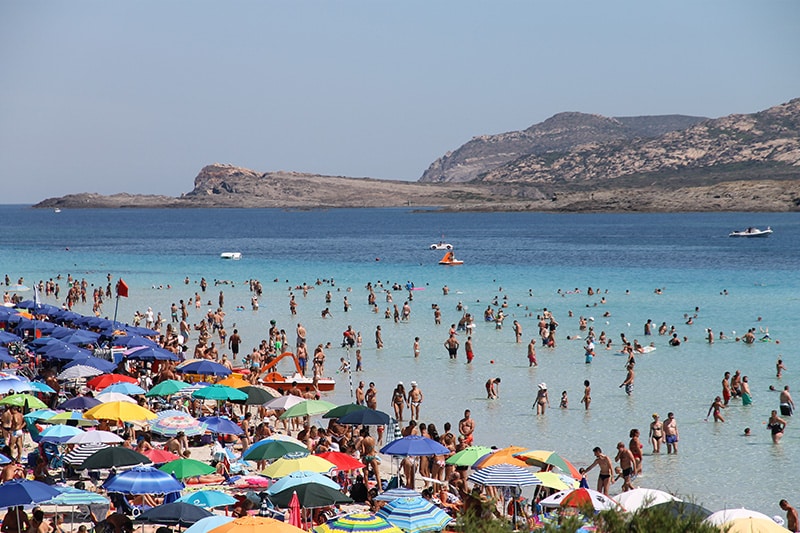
[(663, 267)]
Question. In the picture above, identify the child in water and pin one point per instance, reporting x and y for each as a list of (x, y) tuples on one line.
[(564, 401)]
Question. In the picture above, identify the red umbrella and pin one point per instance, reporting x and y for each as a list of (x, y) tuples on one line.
[(295, 519), (342, 461), (104, 380), (160, 456)]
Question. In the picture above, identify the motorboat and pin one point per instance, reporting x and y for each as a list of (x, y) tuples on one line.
[(449, 259), (56, 210), (752, 232), (231, 255), (441, 245)]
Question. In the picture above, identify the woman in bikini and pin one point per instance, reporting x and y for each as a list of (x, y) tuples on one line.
[(656, 433), (399, 401)]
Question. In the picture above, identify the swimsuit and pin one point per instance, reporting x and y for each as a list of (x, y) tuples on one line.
[(626, 472), (604, 476), (672, 439), (786, 409)]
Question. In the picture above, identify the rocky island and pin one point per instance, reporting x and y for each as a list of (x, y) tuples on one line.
[(571, 162)]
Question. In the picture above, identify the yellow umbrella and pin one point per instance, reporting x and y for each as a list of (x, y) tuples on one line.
[(502, 456), (256, 524), (555, 481), (753, 525), (124, 411), (234, 381), (292, 462)]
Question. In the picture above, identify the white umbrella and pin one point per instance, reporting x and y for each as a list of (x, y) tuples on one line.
[(115, 397), (642, 498), (726, 515), (284, 402), (97, 436), (79, 372)]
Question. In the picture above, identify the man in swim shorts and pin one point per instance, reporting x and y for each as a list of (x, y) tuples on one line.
[(606, 468), (452, 345), (787, 405), (466, 426), (627, 462), (671, 433)]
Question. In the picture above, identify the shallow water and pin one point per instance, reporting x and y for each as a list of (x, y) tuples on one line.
[(505, 254)]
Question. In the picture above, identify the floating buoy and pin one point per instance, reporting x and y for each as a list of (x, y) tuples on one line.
[(491, 362)]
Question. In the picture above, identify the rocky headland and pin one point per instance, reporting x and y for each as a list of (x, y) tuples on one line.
[(570, 162)]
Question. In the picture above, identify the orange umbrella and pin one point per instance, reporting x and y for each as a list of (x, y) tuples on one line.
[(502, 456), (256, 524), (234, 381)]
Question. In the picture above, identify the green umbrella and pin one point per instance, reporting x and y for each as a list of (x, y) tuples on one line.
[(308, 408), (271, 449), (185, 468), (468, 456), (256, 395), (219, 393), (114, 456), (342, 410), (167, 388), (23, 400)]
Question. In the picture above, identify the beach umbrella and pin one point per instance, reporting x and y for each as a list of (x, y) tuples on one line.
[(204, 367), (295, 512), (25, 492), (221, 425), (234, 381), (149, 353), (255, 524), (208, 498), (728, 515), (271, 449), (4, 460), (302, 477), (101, 382), (67, 352), (501, 456), (551, 480), (503, 475), (219, 393), (204, 525), (468, 456), (78, 455), (6, 357), (414, 515), (582, 499), (130, 341), (258, 395), (40, 414), (342, 410), (102, 365), (95, 436), (159, 456), (59, 433), (753, 525), (366, 417), (23, 400), (308, 408), (292, 462), (107, 397), (38, 386), (310, 495), (174, 514), (343, 462), (166, 388), (677, 508), (123, 388), (545, 459), (124, 411), (70, 496), (186, 468), (415, 445), (7, 338), (74, 418), (80, 403), (14, 384), (143, 480), (113, 456), (641, 498), (357, 523), (284, 402), (172, 425), (76, 336), (271, 438), (18, 288)]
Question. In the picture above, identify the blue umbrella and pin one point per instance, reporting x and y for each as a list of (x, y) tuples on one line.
[(24, 492), (301, 477), (78, 336), (414, 515), (130, 341), (414, 445), (35, 325), (365, 417), (205, 367), (67, 352), (150, 353), (6, 337), (15, 383), (80, 403), (125, 388), (94, 362), (38, 386), (5, 357), (221, 425), (4, 460), (41, 414), (208, 498), (145, 332), (205, 525), (59, 433), (143, 480), (44, 341)]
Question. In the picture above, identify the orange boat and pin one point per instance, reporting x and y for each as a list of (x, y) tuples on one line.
[(269, 376), (450, 259)]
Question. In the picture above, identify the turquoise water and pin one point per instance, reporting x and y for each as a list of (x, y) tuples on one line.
[(689, 256)]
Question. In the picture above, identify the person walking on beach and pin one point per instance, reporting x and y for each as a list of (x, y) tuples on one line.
[(792, 522), (787, 404), (776, 425), (656, 433), (606, 469), (716, 407), (671, 433)]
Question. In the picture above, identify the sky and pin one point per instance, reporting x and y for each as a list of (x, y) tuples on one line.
[(138, 96)]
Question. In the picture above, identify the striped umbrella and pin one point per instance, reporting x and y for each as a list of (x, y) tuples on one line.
[(77, 456), (356, 523), (503, 475), (393, 494), (414, 515), (172, 425)]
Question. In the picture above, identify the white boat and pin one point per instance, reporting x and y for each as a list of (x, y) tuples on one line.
[(441, 245), (231, 255), (56, 210), (752, 232)]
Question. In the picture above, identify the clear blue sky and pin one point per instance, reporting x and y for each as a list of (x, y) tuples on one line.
[(137, 96)]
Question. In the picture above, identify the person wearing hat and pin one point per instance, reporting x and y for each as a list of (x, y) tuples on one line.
[(414, 399), (542, 399)]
